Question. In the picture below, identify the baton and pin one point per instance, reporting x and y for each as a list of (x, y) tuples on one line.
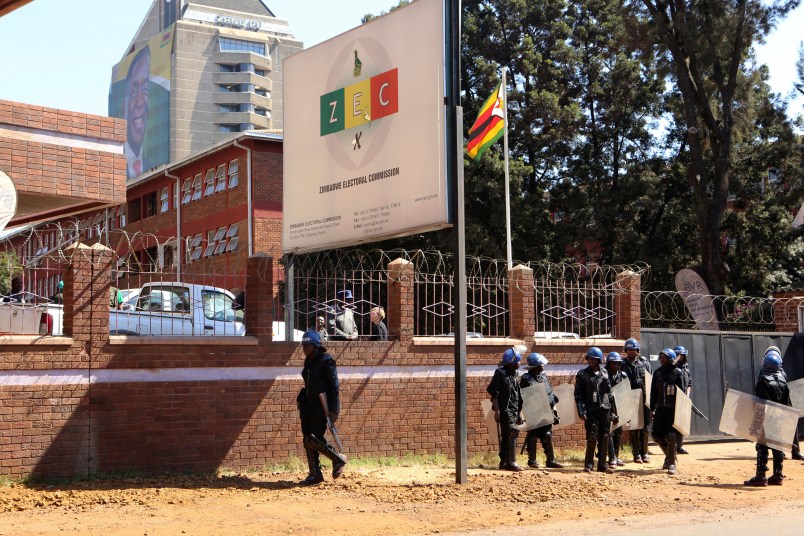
[(330, 425), (698, 412)]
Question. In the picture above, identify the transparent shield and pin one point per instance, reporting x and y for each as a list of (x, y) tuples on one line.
[(627, 405), (566, 405), (638, 402), (762, 421), (535, 407), (648, 385), (797, 394), (683, 416), (491, 424)]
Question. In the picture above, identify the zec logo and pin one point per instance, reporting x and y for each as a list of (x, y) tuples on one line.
[(360, 103)]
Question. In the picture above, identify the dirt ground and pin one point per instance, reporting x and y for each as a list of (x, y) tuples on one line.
[(420, 499)]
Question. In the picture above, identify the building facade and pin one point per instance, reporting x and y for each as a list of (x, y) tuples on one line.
[(222, 73)]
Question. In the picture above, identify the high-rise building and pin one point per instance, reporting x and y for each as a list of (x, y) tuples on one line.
[(196, 71)]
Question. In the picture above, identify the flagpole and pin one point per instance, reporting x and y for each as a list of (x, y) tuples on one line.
[(507, 187)]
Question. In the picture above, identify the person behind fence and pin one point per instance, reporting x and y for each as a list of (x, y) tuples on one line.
[(666, 383), (634, 366), (795, 452), (321, 327), (58, 297), (342, 324), (15, 295), (506, 401), (613, 363), (320, 375), (771, 385), (535, 374), (594, 402), (377, 330), (683, 365)]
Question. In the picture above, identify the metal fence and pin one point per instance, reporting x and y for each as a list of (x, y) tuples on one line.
[(671, 310)]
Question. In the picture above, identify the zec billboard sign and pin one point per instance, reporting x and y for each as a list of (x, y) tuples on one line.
[(364, 140)]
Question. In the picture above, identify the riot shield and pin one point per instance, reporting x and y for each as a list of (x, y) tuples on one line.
[(639, 422), (628, 406), (683, 416), (762, 421), (492, 426), (535, 407), (648, 385), (797, 394), (566, 405)]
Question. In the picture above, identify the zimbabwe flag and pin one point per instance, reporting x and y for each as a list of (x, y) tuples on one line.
[(489, 125)]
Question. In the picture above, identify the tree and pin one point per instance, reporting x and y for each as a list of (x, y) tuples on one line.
[(9, 267), (370, 16), (707, 43), (800, 68)]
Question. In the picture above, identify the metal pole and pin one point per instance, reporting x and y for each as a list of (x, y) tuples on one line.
[(507, 181), (454, 157), (290, 297)]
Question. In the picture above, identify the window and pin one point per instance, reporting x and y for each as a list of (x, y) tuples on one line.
[(262, 92), (238, 45), (164, 200), (220, 178), (232, 237), (197, 187), (229, 128), (209, 182), (186, 190), (228, 108), (261, 111), (233, 166), (150, 205), (121, 215), (195, 248), (210, 243), (217, 306), (225, 68), (259, 72), (175, 194)]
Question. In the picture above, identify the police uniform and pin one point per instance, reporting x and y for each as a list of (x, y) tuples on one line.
[(504, 388), (635, 370), (615, 438), (543, 433), (771, 385), (666, 382), (592, 397)]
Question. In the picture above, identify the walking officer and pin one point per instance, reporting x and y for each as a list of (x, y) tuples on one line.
[(771, 385), (795, 452), (613, 363), (634, 366), (506, 400), (320, 376), (535, 374), (683, 365), (666, 382), (593, 400)]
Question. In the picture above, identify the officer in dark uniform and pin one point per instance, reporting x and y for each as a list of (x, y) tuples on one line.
[(634, 366), (535, 374), (594, 402), (613, 363), (771, 385), (666, 382), (683, 365), (796, 450), (506, 400), (320, 375)]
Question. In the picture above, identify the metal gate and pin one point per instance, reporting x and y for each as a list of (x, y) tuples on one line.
[(721, 361)]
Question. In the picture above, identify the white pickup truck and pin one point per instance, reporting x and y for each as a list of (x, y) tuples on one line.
[(179, 309)]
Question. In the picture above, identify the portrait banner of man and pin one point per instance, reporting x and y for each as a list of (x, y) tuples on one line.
[(140, 94)]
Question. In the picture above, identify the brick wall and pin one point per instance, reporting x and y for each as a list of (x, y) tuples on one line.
[(785, 309), (89, 403)]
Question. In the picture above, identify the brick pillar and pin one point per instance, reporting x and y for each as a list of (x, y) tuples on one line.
[(86, 293), (521, 303), (260, 296), (627, 305), (400, 299)]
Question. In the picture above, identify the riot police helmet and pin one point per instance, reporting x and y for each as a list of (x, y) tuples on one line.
[(670, 354), (595, 353), (536, 360), (631, 344), (511, 357), (680, 350), (614, 357), (774, 349), (772, 361), (311, 336)]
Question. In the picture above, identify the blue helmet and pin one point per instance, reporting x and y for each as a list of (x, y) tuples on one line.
[(511, 357), (595, 353), (631, 344), (773, 349), (772, 361), (680, 350), (614, 357), (311, 336), (670, 354), (536, 360)]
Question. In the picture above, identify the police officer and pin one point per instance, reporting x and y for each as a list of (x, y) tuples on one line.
[(634, 366), (771, 385), (506, 400), (613, 363), (535, 374), (683, 365), (795, 451), (320, 375), (593, 400), (667, 380)]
